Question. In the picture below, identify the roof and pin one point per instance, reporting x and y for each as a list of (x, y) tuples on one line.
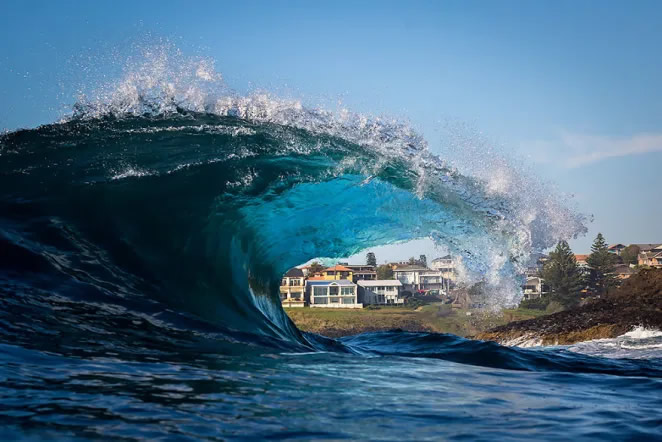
[(647, 247), (337, 268), (533, 279), (316, 278), (615, 246), (623, 269), (443, 258), (331, 282), (294, 273), (380, 282), (408, 268), (365, 272), (581, 257)]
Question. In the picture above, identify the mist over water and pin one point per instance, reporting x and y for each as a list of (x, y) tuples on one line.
[(143, 240)]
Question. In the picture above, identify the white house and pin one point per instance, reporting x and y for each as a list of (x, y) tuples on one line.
[(292, 288), (533, 288), (419, 278), (380, 291), (339, 293)]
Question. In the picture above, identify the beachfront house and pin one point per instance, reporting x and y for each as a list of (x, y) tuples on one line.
[(650, 255), (623, 271), (340, 293), (415, 278), (446, 266), (362, 272), (380, 292), (292, 288), (582, 262), (533, 287), (337, 272)]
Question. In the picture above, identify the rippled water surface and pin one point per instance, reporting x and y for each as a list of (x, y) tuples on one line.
[(265, 394)]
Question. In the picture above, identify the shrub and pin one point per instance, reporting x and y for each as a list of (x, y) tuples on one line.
[(554, 307), (535, 303)]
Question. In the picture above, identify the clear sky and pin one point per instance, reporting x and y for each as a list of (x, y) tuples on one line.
[(574, 89)]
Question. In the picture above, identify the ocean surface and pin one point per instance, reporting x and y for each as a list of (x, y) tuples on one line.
[(142, 240)]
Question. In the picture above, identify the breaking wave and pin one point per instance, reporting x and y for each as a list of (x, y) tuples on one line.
[(168, 187)]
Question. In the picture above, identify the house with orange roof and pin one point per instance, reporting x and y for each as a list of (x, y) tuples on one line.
[(337, 272), (581, 261)]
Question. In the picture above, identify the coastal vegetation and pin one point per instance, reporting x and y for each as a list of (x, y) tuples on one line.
[(436, 317), (568, 284), (638, 302)]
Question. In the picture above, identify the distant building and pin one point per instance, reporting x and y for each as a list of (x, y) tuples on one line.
[(652, 257), (337, 272), (292, 288), (445, 265), (533, 288), (340, 293), (623, 271), (418, 278), (581, 261), (380, 292), (616, 249), (362, 272)]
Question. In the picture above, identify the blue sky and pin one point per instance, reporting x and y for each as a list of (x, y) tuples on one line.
[(570, 88)]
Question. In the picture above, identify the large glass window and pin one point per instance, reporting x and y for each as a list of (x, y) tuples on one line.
[(334, 300), (347, 291), (348, 300), (321, 300), (333, 290), (319, 291)]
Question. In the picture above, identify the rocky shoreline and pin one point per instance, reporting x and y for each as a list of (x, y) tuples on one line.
[(638, 302)]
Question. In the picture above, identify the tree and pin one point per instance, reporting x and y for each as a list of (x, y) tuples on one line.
[(412, 261), (315, 267), (562, 274), (384, 272), (630, 254), (602, 266), (370, 259), (423, 260)]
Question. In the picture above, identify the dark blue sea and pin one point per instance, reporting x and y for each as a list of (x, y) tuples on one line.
[(142, 240)]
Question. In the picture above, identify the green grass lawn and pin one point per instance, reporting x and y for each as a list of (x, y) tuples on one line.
[(433, 317)]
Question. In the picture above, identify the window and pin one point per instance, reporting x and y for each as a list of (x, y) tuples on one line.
[(347, 291), (320, 300), (333, 290), (319, 291), (283, 282), (334, 300), (348, 300)]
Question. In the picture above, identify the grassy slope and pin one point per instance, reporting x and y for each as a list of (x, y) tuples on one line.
[(435, 318)]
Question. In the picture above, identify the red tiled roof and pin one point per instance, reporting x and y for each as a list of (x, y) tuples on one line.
[(581, 257), (316, 278), (338, 268)]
